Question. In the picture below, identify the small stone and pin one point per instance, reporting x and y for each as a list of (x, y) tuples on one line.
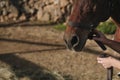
[(1, 19), (64, 3), (39, 14), (22, 17), (45, 17)]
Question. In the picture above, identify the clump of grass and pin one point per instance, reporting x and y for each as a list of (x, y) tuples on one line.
[(60, 27), (107, 27)]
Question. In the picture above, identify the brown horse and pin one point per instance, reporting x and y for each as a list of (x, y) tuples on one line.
[(85, 16)]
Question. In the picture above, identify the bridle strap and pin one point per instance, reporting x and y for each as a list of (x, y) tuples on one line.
[(81, 25)]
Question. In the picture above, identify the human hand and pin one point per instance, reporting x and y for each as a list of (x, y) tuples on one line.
[(99, 36), (106, 62)]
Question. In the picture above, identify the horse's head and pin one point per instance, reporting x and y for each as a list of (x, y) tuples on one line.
[(85, 16)]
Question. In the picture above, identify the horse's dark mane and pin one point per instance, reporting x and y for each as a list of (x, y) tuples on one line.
[(90, 7), (115, 11)]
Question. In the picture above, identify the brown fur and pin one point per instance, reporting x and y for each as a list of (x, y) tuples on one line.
[(95, 11), (87, 14)]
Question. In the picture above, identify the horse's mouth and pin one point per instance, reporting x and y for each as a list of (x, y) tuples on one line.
[(76, 43)]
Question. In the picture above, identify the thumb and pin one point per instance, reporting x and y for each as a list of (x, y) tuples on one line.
[(96, 38)]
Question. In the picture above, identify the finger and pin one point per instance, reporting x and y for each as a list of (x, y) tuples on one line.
[(99, 61), (105, 66), (96, 31), (98, 58), (96, 38)]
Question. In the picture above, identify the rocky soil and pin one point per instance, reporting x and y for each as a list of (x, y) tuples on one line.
[(39, 53), (35, 10)]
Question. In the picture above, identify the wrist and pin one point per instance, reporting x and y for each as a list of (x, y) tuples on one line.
[(106, 41)]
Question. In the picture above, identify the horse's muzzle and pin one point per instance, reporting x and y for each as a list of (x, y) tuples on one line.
[(75, 42)]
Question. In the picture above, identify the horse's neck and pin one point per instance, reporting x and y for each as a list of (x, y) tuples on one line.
[(117, 35), (115, 12)]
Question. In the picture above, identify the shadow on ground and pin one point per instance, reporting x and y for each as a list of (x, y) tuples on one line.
[(23, 68)]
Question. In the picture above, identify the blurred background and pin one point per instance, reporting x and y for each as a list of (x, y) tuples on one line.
[(32, 46), (35, 10), (42, 11)]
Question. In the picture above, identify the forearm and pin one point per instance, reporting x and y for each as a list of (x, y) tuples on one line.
[(113, 44)]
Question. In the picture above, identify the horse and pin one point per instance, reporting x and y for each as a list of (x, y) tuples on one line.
[(85, 16)]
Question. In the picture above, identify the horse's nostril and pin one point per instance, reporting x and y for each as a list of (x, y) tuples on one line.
[(74, 40), (67, 44)]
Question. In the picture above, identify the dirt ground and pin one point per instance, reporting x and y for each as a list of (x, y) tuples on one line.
[(39, 53)]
